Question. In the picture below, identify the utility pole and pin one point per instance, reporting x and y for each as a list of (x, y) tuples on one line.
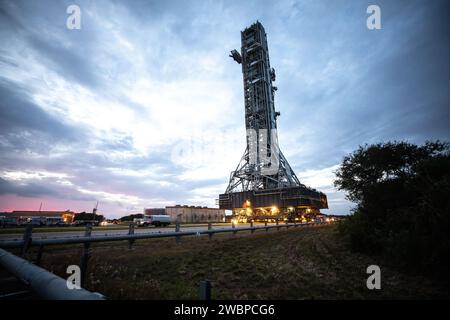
[(94, 211)]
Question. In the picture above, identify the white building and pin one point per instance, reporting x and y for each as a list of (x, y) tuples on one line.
[(192, 214)]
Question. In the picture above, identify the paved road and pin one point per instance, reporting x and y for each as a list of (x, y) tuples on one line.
[(65, 234)]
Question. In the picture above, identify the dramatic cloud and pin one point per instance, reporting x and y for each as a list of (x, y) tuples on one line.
[(143, 108)]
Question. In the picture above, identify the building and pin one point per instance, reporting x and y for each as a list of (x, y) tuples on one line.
[(192, 214), (22, 216), (149, 211)]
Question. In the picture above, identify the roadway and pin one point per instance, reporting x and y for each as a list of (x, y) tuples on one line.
[(108, 231)]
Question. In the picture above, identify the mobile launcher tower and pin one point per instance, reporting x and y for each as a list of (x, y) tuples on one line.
[(264, 186)]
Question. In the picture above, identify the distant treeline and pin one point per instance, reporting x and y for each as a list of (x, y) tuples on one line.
[(82, 216), (131, 217), (402, 192)]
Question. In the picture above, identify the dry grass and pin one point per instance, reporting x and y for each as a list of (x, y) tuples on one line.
[(302, 263)]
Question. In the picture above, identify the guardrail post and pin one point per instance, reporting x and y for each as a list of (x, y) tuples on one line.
[(177, 229), (27, 238), (39, 255), (287, 224), (251, 226), (130, 232), (278, 225), (265, 224), (205, 290), (210, 228), (234, 229), (295, 223), (86, 255)]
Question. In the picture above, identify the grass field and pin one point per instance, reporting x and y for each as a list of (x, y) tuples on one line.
[(302, 263)]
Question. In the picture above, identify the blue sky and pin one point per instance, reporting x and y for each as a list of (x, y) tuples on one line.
[(142, 107)]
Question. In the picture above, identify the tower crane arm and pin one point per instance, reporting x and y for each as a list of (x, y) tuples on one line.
[(236, 56)]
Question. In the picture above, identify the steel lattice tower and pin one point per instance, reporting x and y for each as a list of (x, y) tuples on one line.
[(256, 176), (260, 119)]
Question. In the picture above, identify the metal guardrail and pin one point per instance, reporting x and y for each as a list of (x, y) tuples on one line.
[(50, 286), (46, 284), (132, 236)]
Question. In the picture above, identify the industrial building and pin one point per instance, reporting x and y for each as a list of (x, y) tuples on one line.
[(264, 186), (156, 211), (24, 216), (193, 214)]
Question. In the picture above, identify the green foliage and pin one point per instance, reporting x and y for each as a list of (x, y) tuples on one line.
[(402, 194), (86, 216), (131, 217)]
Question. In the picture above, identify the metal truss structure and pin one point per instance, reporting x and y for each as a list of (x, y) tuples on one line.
[(249, 177), (261, 117), (263, 166)]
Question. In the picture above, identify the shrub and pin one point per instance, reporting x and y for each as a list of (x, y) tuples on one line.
[(402, 192)]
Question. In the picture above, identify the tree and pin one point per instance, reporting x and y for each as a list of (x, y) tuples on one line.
[(403, 208), (371, 165), (131, 217), (87, 216)]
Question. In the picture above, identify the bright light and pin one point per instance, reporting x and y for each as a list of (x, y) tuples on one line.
[(234, 221), (274, 209)]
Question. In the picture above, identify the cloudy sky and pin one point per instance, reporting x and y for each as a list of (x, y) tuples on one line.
[(142, 107)]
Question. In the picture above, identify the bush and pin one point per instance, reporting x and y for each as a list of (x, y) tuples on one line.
[(402, 192), (131, 217)]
